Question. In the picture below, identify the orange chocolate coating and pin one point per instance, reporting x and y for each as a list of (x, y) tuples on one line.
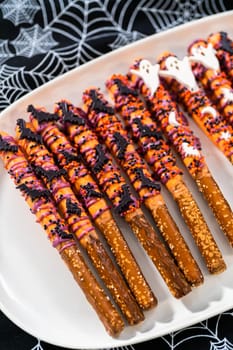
[(37, 197)]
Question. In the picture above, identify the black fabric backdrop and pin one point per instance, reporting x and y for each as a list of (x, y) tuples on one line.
[(41, 39)]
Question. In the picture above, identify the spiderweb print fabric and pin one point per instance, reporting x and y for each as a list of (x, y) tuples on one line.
[(42, 39), (48, 38)]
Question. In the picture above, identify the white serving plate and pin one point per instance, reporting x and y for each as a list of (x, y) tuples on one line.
[(37, 292)]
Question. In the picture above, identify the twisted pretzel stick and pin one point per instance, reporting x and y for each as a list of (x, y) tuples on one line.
[(86, 188), (158, 154), (175, 126), (114, 186), (38, 199), (206, 69), (79, 223), (110, 128), (224, 51), (180, 79)]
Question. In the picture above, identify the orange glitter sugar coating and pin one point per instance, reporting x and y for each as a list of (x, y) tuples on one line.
[(195, 102), (162, 106), (108, 174), (145, 131), (94, 202), (111, 131), (77, 219), (130, 107), (214, 81), (37, 197)]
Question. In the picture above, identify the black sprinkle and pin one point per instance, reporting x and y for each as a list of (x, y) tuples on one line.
[(122, 144), (101, 158), (90, 192), (98, 105), (7, 147), (146, 182), (72, 208), (125, 200), (124, 89), (28, 134), (42, 116), (33, 193), (49, 174), (154, 146)]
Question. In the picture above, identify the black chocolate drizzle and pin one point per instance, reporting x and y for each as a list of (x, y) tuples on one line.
[(33, 193), (101, 158), (125, 200), (72, 208), (42, 116), (121, 143), (28, 134), (49, 174), (226, 43), (6, 146), (145, 181), (90, 191), (124, 89), (145, 131), (98, 105)]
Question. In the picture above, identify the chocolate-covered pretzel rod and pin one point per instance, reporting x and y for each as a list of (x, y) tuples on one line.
[(206, 69), (181, 81), (38, 198), (114, 186), (88, 191), (223, 45), (158, 154), (77, 219), (112, 132), (175, 125)]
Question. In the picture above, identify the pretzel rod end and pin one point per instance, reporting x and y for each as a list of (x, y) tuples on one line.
[(158, 253)]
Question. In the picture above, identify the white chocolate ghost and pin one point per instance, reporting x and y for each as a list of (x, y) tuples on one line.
[(205, 56), (181, 71), (189, 150), (149, 74)]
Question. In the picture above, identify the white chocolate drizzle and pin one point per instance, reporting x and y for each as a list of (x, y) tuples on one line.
[(149, 74), (189, 150), (209, 110), (205, 56), (172, 119), (227, 95), (181, 71)]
